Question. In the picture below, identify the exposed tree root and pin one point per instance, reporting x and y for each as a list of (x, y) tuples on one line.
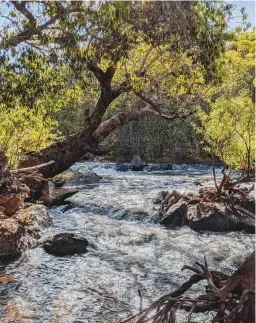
[(231, 297)]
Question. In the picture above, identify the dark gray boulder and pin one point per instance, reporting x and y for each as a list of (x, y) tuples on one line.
[(64, 244), (58, 196), (206, 216), (243, 221), (175, 215), (137, 164), (83, 179)]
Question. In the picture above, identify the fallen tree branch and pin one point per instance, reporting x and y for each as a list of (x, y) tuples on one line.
[(29, 169), (233, 294)]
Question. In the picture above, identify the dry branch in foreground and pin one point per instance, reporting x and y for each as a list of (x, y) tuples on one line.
[(232, 298)]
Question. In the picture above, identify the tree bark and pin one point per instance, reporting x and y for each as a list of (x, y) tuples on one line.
[(64, 153)]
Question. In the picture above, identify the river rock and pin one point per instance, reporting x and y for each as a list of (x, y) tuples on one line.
[(247, 202), (243, 221), (175, 215), (132, 214), (23, 230), (65, 244), (207, 216), (58, 196), (35, 220), (83, 179), (137, 163), (122, 167)]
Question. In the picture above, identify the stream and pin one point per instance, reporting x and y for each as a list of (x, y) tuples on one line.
[(127, 252)]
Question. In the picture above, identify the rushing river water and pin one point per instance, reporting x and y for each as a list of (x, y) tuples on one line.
[(127, 252)]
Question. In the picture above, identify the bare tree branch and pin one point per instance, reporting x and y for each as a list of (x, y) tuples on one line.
[(21, 7)]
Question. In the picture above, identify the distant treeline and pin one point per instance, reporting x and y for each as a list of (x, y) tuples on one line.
[(156, 140)]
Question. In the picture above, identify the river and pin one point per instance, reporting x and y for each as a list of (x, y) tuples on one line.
[(127, 252)]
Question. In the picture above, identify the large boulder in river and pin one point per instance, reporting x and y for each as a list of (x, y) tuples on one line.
[(64, 244), (83, 179), (207, 216), (175, 215), (23, 229), (137, 163)]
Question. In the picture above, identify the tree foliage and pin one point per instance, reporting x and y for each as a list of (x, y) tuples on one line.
[(229, 124), (161, 56), (32, 91)]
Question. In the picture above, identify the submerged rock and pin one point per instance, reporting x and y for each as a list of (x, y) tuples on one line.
[(159, 167), (23, 230), (65, 244), (121, 167), (137, 164), (131, 214)]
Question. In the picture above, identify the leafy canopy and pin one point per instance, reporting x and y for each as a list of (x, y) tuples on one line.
[(229, 125), (164, 52)]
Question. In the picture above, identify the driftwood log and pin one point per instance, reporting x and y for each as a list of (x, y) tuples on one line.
[(232, 298)]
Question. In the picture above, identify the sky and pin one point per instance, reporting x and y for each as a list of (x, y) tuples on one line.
[(249, 9)]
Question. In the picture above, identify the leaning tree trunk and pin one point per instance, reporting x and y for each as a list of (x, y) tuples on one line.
[(66, 153), (63, 153)]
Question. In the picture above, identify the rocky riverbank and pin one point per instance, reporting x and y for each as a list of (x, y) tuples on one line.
[(23, 229), (203, 214)]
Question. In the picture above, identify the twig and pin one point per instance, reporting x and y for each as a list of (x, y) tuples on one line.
[(140, 296), (191, 312)]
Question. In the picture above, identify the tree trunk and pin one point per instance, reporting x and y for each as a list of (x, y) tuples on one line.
[(64, 153)]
